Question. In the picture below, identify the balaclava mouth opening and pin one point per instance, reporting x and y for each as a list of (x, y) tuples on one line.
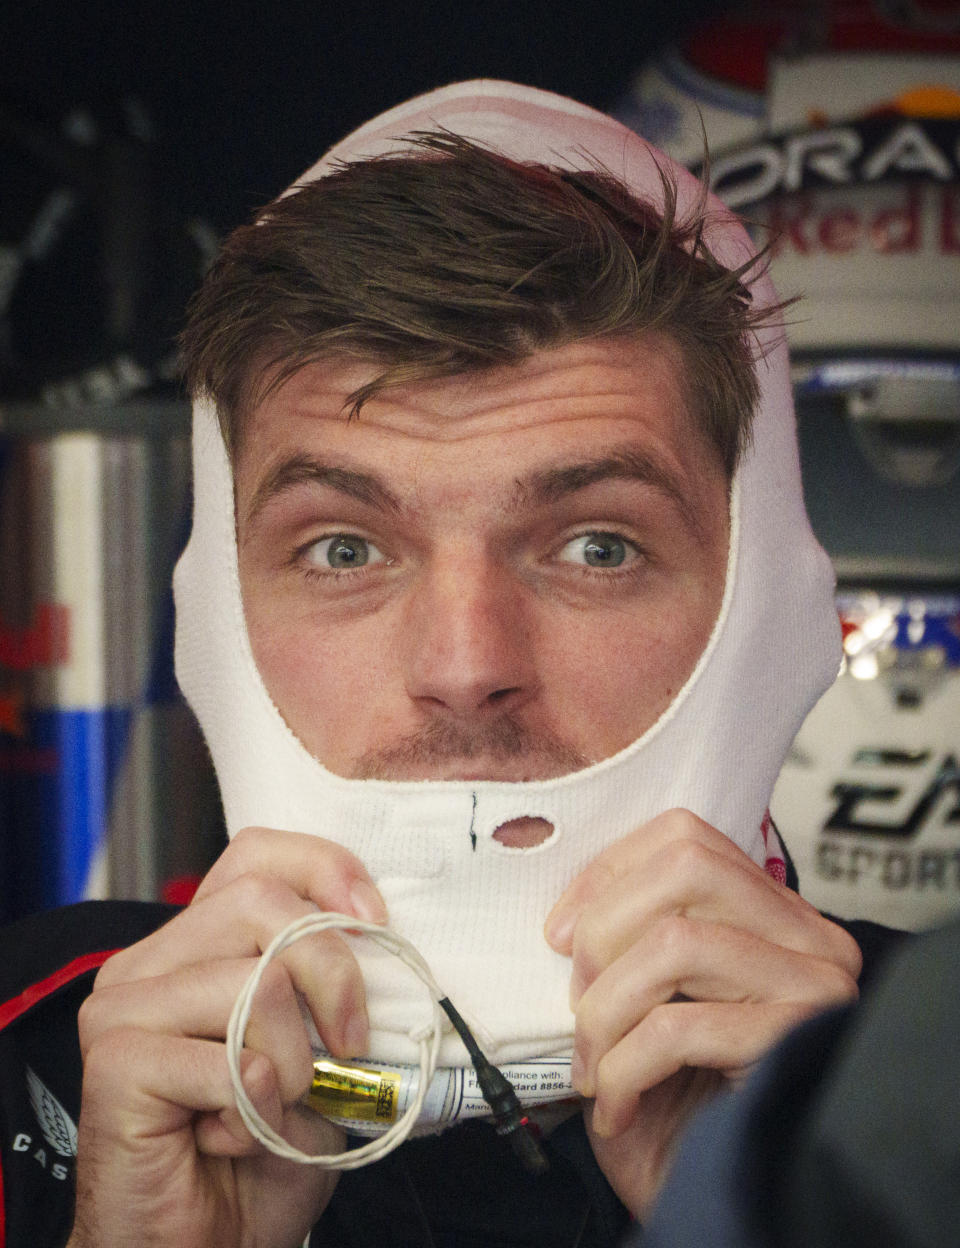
[(474, 908)]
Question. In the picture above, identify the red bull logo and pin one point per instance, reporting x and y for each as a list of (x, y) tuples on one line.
[(910, 223)]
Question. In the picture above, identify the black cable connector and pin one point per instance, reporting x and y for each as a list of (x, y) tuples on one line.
[(497, 1090)]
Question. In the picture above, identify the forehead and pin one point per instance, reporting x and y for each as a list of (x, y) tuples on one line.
[(582, 396)]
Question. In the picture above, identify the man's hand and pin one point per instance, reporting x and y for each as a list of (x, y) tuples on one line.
[(689, 961), (164, 1157)]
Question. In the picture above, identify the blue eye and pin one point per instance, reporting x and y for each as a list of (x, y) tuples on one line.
[(343, 551), (598, 550)]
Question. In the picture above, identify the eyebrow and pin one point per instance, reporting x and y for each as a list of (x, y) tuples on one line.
[(303, 469), (546, 486), (625, 463)]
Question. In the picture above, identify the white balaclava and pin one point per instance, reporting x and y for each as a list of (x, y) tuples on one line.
[(474, 908)]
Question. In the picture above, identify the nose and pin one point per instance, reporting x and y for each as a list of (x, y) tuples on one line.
[(468, 646)]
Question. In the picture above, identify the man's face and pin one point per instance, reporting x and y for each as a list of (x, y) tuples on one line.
[(504, 575)]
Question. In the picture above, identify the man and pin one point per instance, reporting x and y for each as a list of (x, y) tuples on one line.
[(499, 613)]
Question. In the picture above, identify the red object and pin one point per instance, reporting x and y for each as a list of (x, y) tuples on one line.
[(45, 642), (36, 992), (180, 890), (736, 49)]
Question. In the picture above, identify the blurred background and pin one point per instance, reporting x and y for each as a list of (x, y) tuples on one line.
[(134, 136)]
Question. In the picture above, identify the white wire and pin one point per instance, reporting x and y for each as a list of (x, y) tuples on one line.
[(427, 1038)]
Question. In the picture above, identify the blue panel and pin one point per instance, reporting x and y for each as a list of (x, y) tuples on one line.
[(55, 796)]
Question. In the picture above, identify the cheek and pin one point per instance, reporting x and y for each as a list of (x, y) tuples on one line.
[(324, 677), (623, 679), (616, 673)]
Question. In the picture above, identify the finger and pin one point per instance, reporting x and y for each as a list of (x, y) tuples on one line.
[(692, 879), (238, 922), (224, 1134), (299, 1126), (140, 1086), (628, 857), (703, 962), (705, 1035), (313, 867), (198, 1001)]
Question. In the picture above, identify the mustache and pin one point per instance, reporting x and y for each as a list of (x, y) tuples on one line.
[(444, 741)]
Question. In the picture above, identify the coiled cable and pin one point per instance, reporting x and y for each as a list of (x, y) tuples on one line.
[(427, 1039), (496, 1089)]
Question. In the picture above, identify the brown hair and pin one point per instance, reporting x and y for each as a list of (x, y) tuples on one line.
[(451, 257)]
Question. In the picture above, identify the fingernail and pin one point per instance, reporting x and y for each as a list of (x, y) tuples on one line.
[(356, 1035), (559, 930), (367, 903)]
